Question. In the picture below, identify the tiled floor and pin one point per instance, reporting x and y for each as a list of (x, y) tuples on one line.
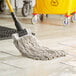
[(51, 33)]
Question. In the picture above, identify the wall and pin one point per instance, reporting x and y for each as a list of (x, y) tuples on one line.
[(19, 3)]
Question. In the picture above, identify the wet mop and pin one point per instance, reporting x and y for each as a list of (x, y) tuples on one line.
[(28, 44)]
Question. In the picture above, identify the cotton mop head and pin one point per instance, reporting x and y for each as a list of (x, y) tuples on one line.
[(29, 47)]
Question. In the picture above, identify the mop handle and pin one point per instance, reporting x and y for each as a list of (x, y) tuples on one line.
[(9, 5), (17, 23)]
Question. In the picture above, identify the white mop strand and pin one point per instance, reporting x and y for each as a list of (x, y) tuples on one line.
[(28, 46)]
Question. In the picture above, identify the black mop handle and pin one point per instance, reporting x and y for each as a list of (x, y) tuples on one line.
[(17, 23)]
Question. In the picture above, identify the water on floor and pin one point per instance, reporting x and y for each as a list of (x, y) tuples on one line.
[(50, 33)]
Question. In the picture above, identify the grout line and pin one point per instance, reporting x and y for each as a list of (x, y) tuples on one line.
[(66, 45), (8, 53), (67, 64), (12, 65)]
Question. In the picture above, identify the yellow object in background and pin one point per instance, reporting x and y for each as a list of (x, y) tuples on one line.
[(64, 7), (9, 5)]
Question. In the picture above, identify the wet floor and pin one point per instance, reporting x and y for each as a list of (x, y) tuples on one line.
[(51, 33)]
